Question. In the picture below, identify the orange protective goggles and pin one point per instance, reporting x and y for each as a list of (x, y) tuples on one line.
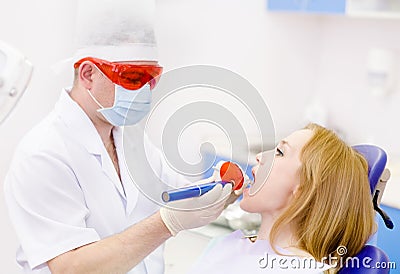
[(130, 76)]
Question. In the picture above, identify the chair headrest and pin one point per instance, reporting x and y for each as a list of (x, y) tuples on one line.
[(376, 158), (374, 255)]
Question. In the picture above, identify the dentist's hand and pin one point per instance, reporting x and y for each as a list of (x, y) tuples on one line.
[(238, 192), (195, 212)]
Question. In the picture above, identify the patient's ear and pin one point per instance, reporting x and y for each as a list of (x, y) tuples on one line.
[(295, 189)]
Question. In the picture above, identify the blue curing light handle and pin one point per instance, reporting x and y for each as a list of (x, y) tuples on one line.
[(189, 191)]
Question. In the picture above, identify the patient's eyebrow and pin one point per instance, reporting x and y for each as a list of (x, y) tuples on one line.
[(284, 142)]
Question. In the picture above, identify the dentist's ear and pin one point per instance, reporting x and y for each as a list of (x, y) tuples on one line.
[(85, 74)]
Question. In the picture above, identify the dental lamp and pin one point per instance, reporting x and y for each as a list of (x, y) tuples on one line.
[(15, 74)]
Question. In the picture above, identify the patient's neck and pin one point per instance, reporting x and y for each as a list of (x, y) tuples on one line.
[(267, 221), (284, 239)]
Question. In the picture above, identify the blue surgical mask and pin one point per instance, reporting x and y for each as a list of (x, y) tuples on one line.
[(130, 106)]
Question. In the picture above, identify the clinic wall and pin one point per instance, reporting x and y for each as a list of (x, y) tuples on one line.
[(275, 53), (343, 83), (307, 67), (241, 36)]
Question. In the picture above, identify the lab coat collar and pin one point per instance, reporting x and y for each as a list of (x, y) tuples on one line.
[(79, 123), (131, 191)]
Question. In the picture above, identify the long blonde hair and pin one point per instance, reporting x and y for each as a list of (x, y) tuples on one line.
[(332, 206)]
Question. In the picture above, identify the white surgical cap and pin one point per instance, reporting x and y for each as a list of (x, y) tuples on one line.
[(116, 30)]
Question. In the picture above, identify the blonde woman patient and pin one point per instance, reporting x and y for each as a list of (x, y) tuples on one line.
[(315, 200)]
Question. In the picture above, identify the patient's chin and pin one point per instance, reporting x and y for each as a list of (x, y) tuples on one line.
[(247, 205)]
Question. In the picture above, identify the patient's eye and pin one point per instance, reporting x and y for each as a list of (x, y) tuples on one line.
[(279, 152)]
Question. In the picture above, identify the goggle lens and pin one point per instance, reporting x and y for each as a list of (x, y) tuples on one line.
[(129, 76)]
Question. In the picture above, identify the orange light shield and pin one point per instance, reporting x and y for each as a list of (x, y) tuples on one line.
[(128, 75)]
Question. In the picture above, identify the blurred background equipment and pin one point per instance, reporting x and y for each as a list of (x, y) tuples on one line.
[(15, 74)]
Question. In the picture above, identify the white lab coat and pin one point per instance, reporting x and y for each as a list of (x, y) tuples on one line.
[(63, 192), (236, 254)]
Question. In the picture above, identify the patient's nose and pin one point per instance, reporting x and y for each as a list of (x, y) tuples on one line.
[(258, 157)]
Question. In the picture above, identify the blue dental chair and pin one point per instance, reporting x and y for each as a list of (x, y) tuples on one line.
[(378, 176)]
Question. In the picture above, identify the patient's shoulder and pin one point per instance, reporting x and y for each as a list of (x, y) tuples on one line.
[(235, 253)]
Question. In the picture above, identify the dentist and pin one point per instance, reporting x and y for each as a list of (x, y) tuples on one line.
[(69, 194)]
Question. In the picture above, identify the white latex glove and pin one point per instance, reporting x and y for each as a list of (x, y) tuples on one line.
[(195, 212), (236, 193)]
